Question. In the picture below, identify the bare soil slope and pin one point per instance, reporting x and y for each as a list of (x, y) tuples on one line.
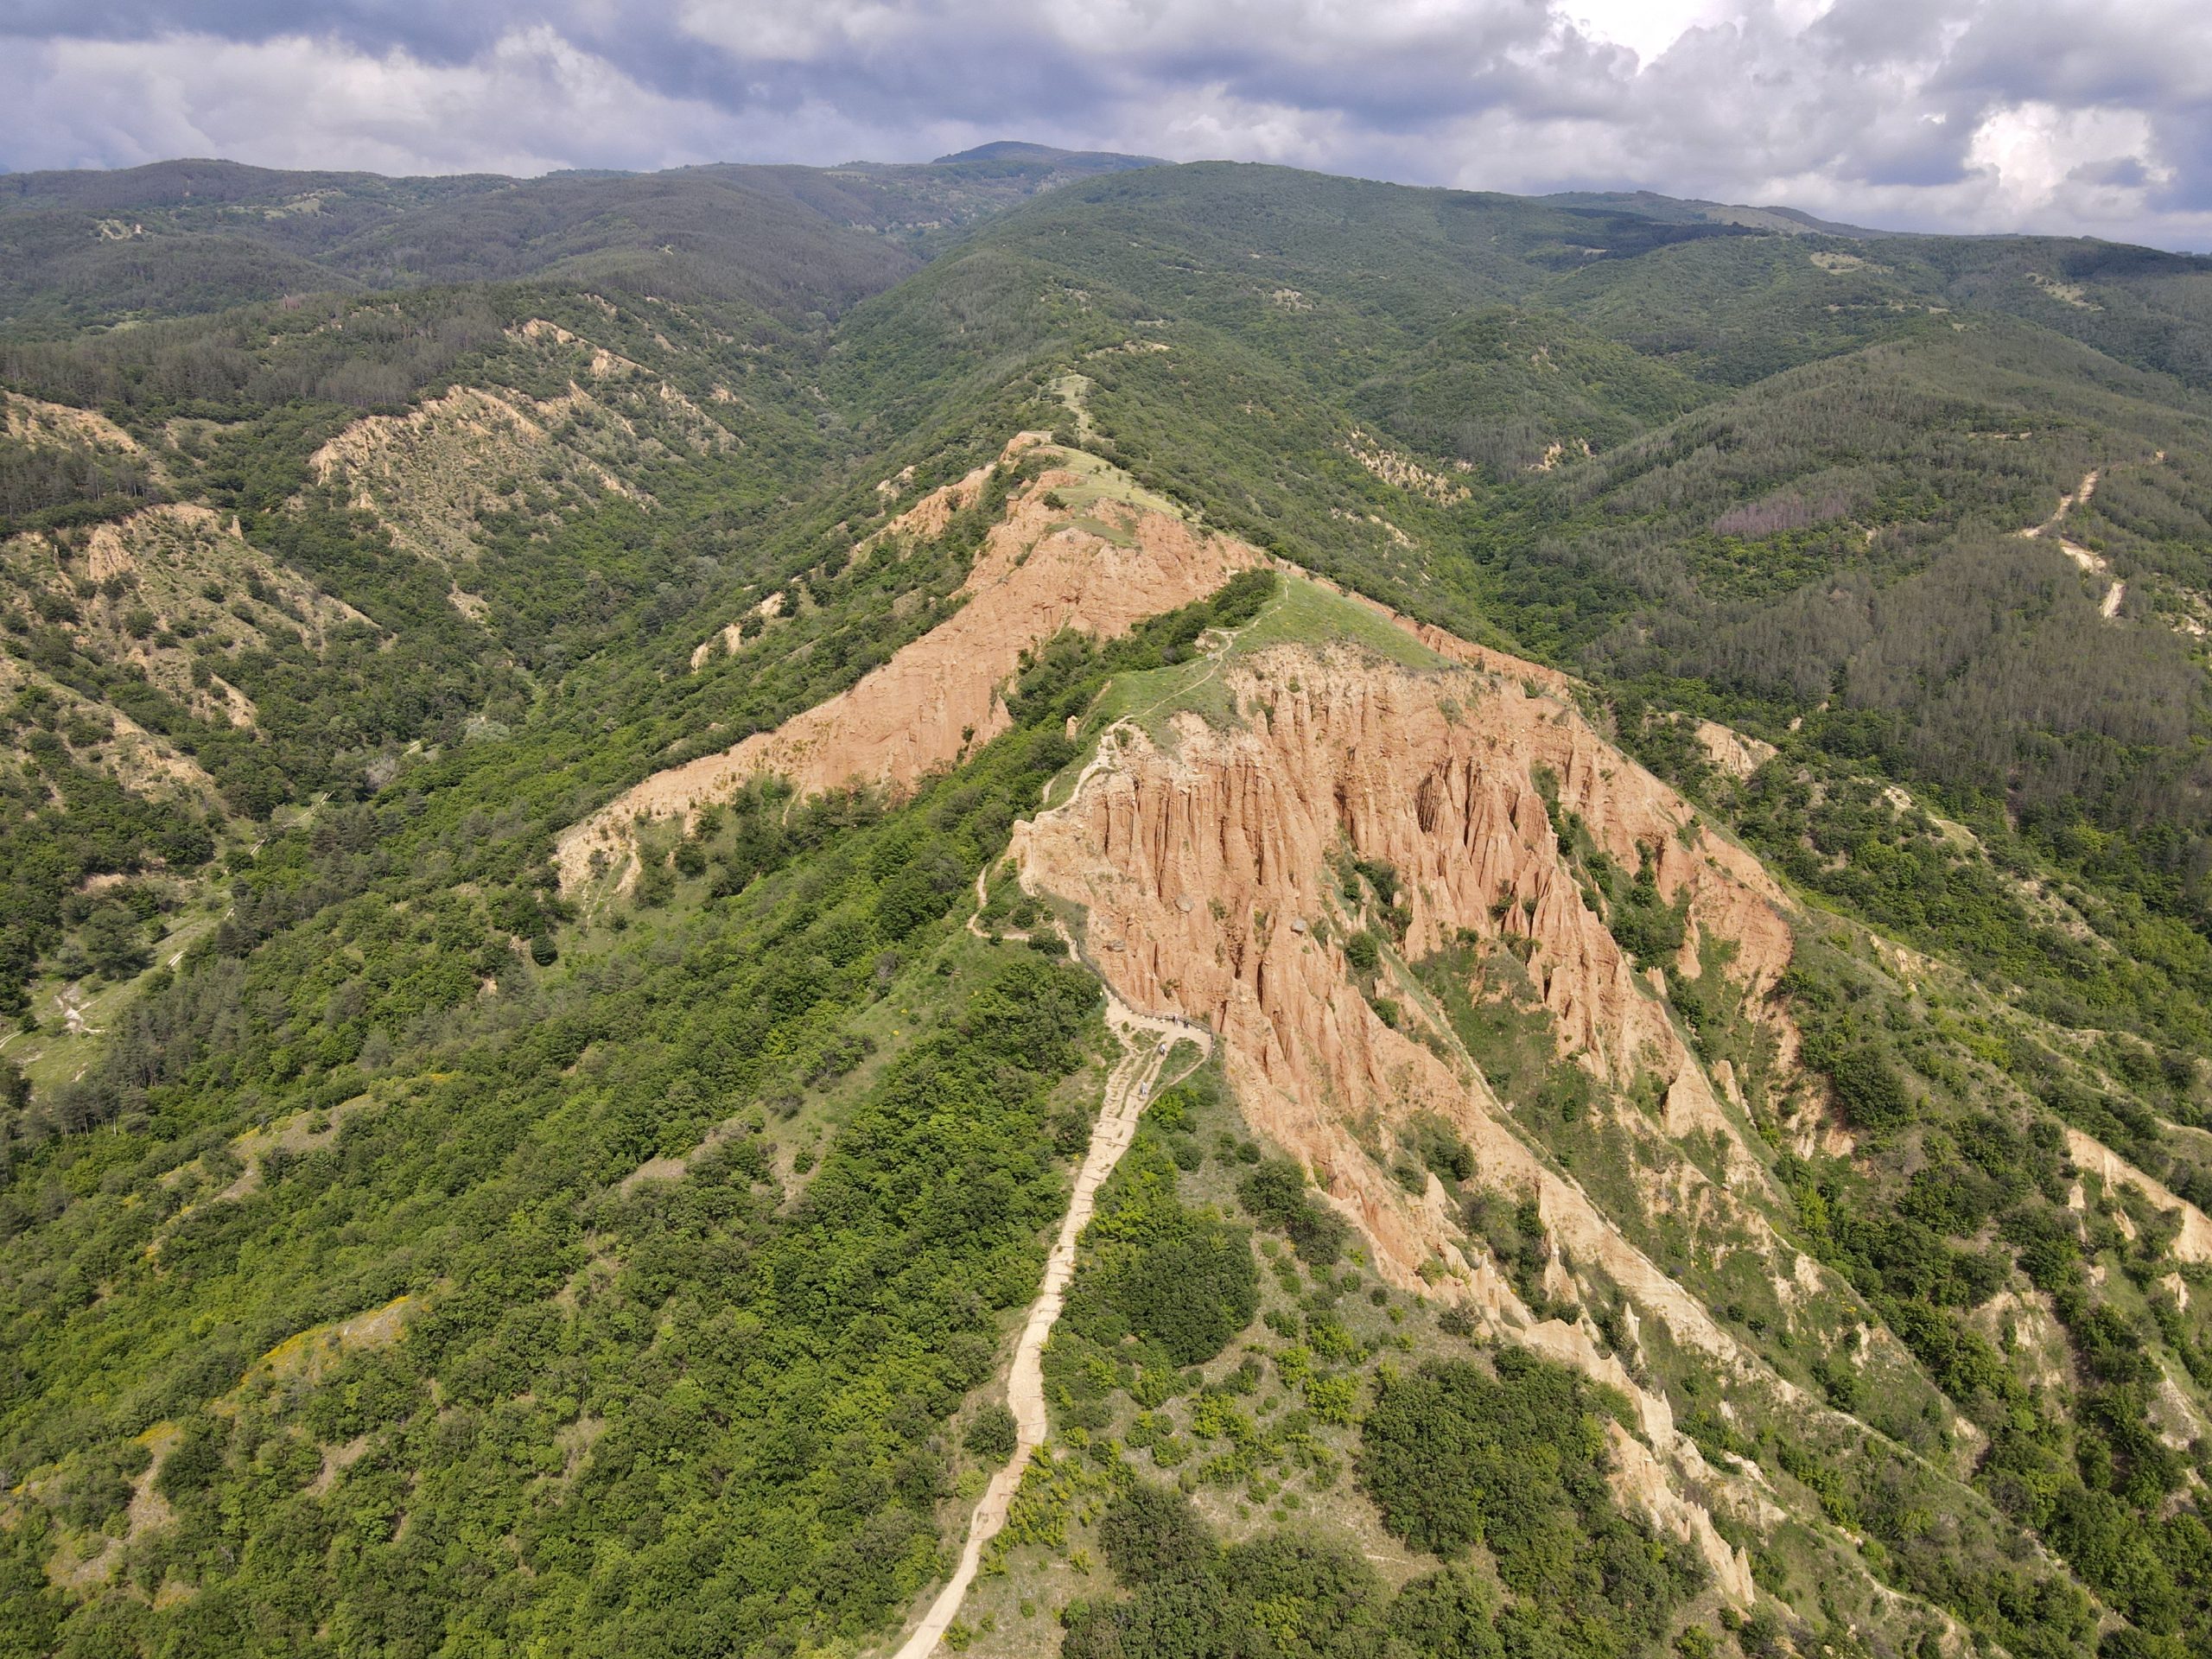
[(1042, 568)]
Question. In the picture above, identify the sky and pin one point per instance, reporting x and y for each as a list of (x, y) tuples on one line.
[(2078, 117)]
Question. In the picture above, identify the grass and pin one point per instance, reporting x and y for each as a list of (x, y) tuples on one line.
[(53, 1054), (1099, 481), (1151, 701), (1073, 390), (1302, 613)]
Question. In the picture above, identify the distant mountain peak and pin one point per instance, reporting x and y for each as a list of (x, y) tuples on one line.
[(1649, 203), (1016, 149)]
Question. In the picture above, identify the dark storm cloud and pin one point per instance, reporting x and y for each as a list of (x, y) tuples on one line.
[(1961, 114)]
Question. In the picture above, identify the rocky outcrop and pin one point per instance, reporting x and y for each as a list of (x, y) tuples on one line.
[(1208, 859), (1731, 750), (177, 592), (1039, 571), (1208, 867), (1395, 467), (1434, 773), (140, 760), (2192, 1239), (57, 426), (428, 475)]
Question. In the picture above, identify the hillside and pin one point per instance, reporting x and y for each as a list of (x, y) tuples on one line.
[(178, 238), (1053, 905)]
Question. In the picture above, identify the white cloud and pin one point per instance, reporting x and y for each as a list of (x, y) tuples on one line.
[(2034, 148), (787, 31), (532, 103), (2056, 115), (1647, 28)]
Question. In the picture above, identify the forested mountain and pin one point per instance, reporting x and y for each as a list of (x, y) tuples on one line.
[(194, 236), (1380, 921)]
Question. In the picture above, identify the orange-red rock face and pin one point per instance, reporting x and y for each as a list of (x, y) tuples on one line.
[(1207, 866), (939, 696), (1204, 867)]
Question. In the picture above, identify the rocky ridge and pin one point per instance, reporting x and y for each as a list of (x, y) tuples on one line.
[(170, 592), (1205, 869), (1041, 569), (1213, 859), (431, 475)]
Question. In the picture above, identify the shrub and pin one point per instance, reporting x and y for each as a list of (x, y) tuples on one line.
[(1151, 1533), (1239, 599), (114, 941), (1450, 1612), (1455, 1456), (992, 1436), (1275, 1194), (1440, 1147), (1869, 1090), (1180, 1278)]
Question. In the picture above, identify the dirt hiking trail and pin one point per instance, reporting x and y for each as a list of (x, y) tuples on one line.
[(1146, 1040), (2092, 562)]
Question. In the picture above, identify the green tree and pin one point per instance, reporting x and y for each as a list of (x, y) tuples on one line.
[(115, 944)]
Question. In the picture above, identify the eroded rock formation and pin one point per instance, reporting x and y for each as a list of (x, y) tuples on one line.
[(1204, 861), (1209, 868), (1038, 571)]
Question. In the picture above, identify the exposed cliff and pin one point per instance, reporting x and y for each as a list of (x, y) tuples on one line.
[(1099, 564), (1208, 867), (570, 425), (1206, 864), (1225, 869), (1327, 840)]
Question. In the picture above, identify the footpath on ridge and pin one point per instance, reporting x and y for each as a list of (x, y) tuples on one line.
[(1146, 1040)]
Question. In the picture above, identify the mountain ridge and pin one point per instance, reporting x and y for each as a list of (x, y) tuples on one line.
[(1620, 733)]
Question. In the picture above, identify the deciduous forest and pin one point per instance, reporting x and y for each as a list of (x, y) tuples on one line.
[(1705, 1151)]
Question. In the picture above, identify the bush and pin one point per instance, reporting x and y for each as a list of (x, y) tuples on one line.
[(993, 1435), (1282, 1595), (1455, 1456), (1239, 599), (1452, 1612), (1440, 1147), (1362, 953), (1869, 1090), (114, 941), (1651, 930), (1275, 1194), (1151, 1533), (1179, 1278)]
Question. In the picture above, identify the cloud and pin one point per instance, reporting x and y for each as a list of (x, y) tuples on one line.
[(1971, 115)]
